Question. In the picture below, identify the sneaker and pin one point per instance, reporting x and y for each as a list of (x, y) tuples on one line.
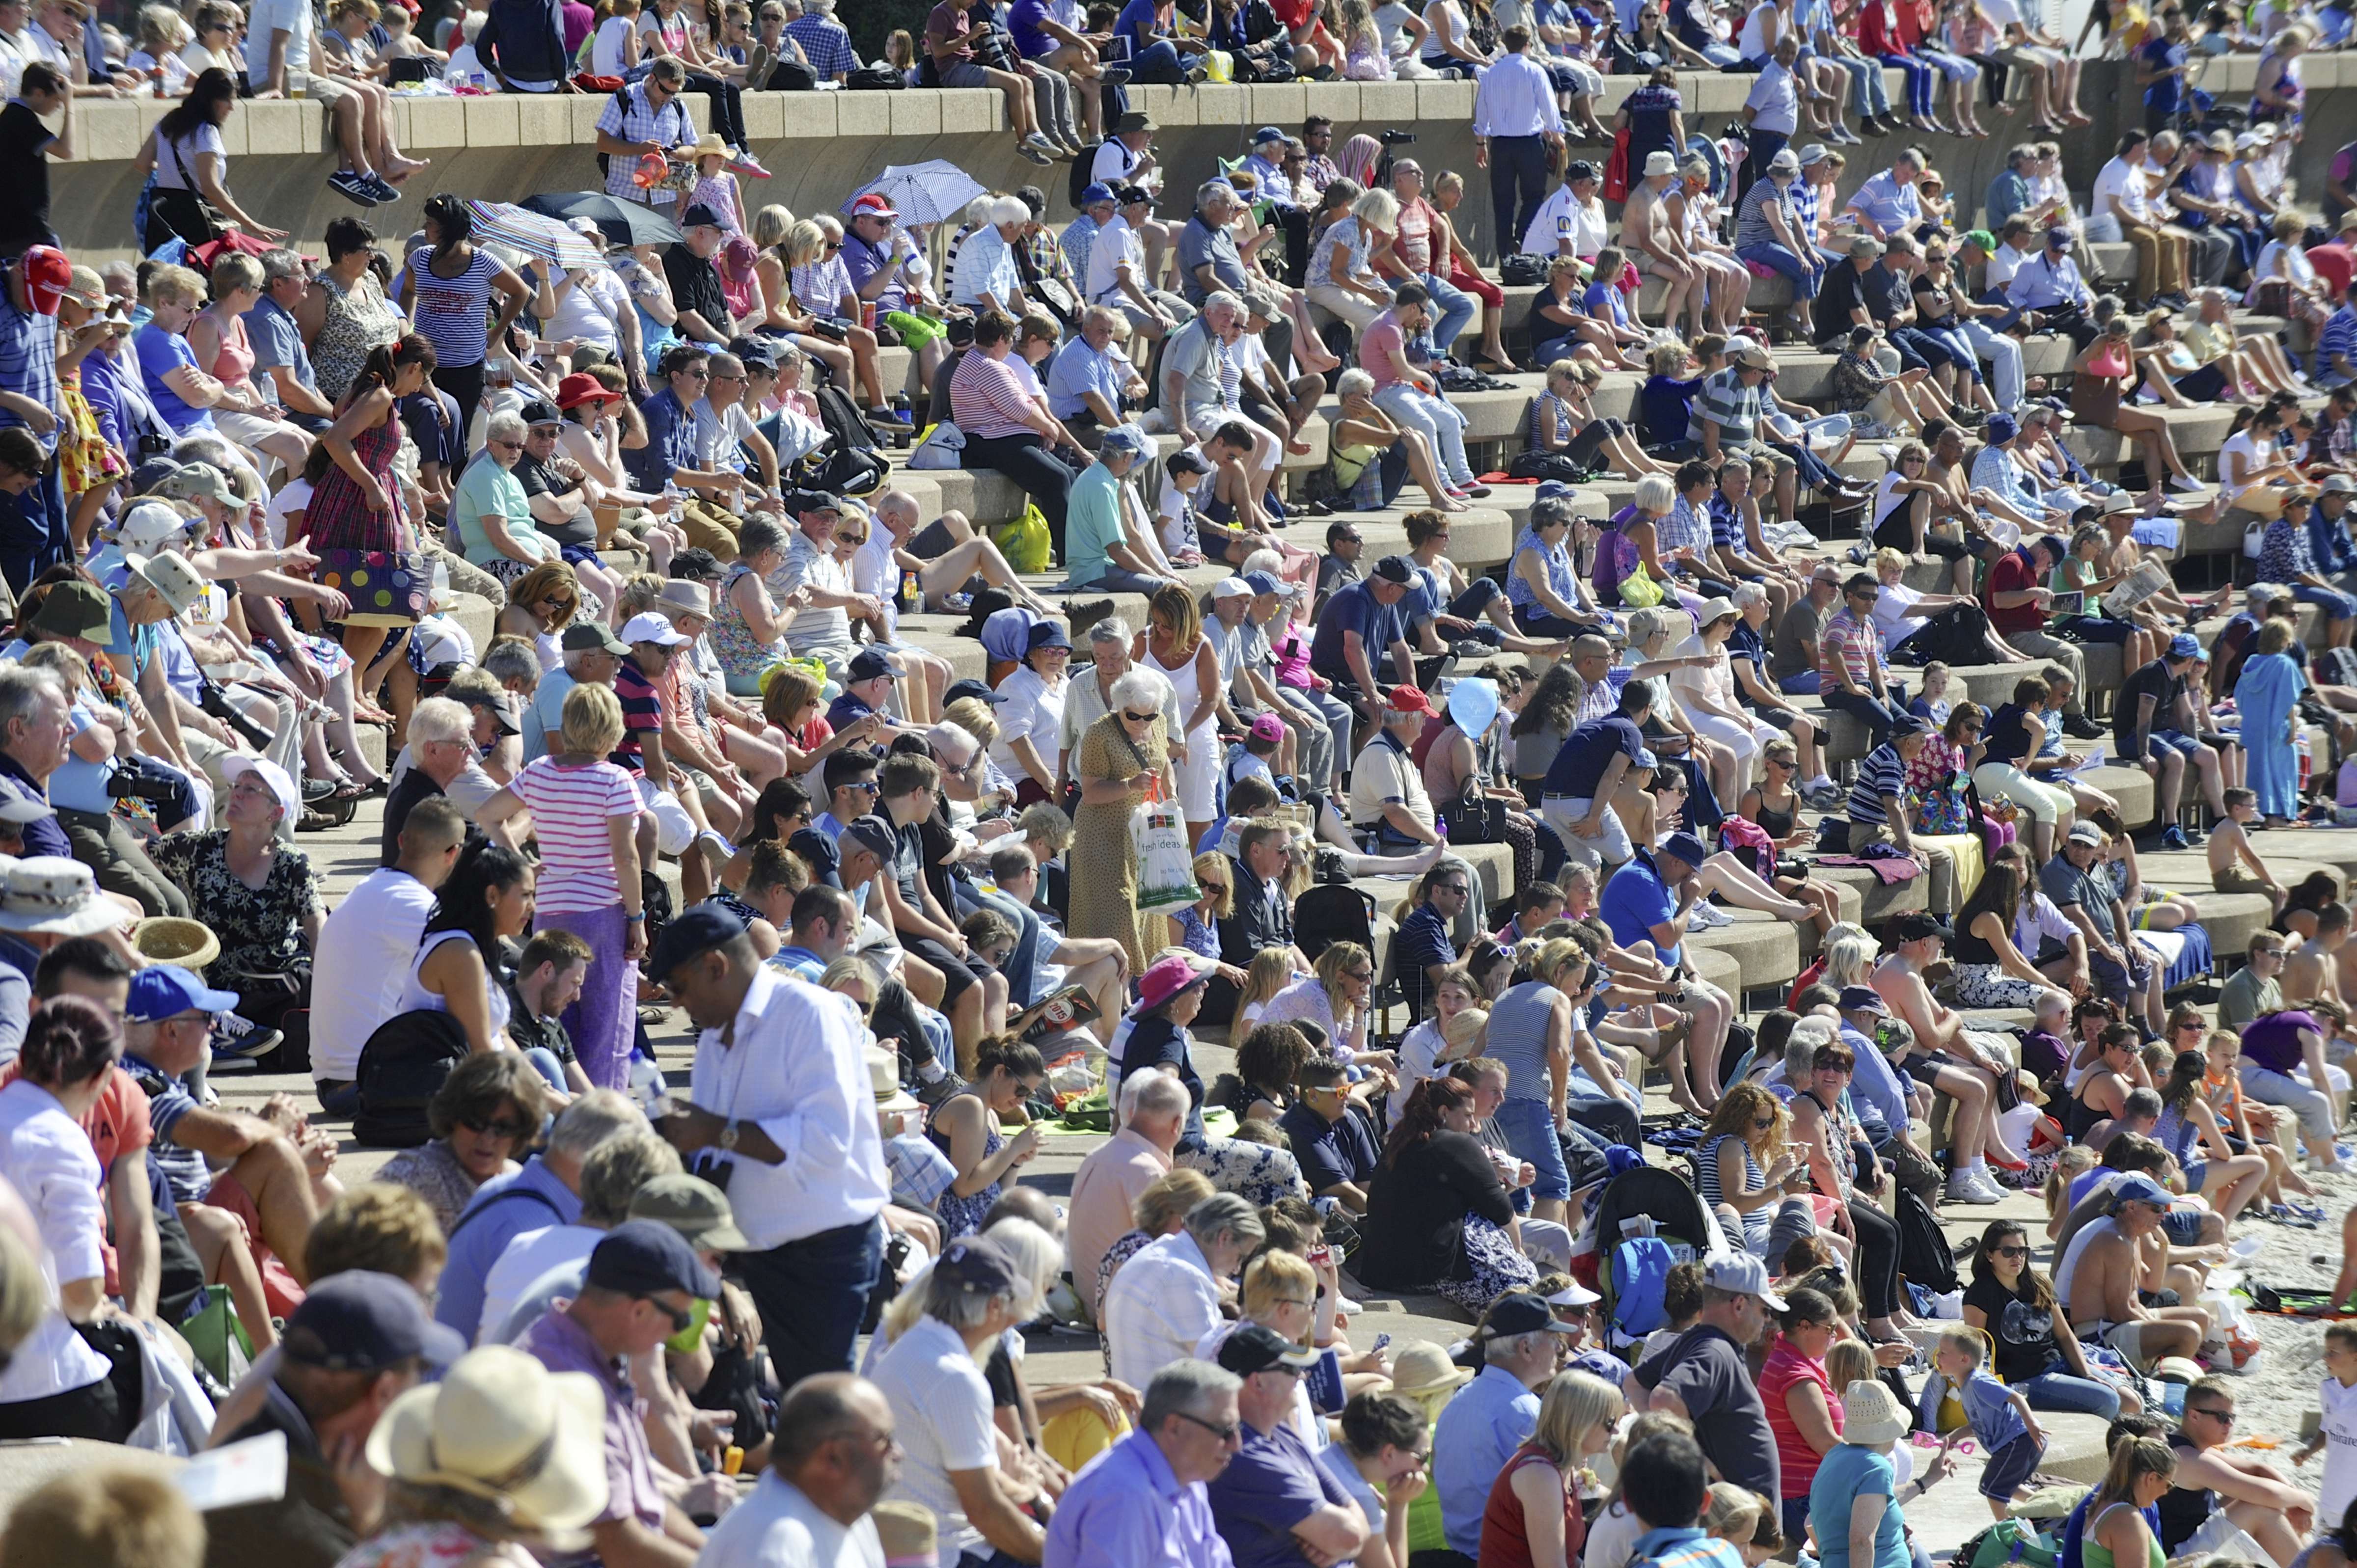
[(894, 416), (352, 188), (1708, 917), (957, 603), (383, 189), (941, 1089), (2173, 837), (1968, 1187), (2196, 838), (749, 165), (2182, 484), (1042, 153), (236, 1037)]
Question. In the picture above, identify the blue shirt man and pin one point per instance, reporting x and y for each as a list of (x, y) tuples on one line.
[(1079, 368), (502, 1210), (671, 443), (1273, 1500), (1359, 608), (1643, 896), (1129, 1505), (278, 349), (1488, 1419)]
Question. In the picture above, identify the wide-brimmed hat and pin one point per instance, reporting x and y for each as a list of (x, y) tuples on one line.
[(884, 1078), (170, 575), (1167, 977), (683, 597), (1660, 163), (501, 1425), (1871, 1416), (57, 896), (1713, 611), (581, 386), (692, 1206), (173, 939), (1421, 1368), (148, 526)]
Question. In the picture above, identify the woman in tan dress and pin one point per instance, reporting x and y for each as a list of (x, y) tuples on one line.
[(1119, 755)]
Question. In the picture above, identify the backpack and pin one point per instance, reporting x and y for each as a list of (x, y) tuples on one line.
[(851, 467), (1082, 175), (1923, 1256), (1641, 1272), (873, 79), (402, 1068), (621, 106), (1328, 913), (2334, 666)]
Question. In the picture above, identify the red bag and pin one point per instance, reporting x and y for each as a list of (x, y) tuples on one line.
[(589, 84), (1616, 168)]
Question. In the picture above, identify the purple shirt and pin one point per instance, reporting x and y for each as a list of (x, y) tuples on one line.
[(1272, 1485), (563, 1346), (2273, 1042), (1126, 1508)]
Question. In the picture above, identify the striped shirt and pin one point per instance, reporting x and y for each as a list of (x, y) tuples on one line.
[(1852, 642), (988, 398), (1887, 207), (641, 716), (1726, 401), (1551, 421), (1727, 530), (28, 363), (1881, 775), (453, 311), (1751, 217), (570, 809), (821, 285), (2340, 339), (1804, 199)]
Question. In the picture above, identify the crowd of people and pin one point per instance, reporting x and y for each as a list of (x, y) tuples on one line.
[(717, 762)]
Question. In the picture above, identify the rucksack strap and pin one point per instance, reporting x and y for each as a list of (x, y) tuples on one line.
[(519, 1191)]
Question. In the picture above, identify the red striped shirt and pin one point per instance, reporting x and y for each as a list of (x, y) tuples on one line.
[(987, 399), (570, 809)]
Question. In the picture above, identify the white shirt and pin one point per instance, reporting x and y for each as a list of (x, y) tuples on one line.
[(815, 629), (1890, 604), (719, 435), (2120, 178), (366, 944), (592, 309), (796, 1072), (48, 1158), (2003, 263), (529, 1256), (1774, 101), (777, 1526), (1114, 247), (1160, 1305), (874, 572), (2340, 1410), (267, 16), (2255, 456), (1028, 710), (1517, 98), (1112, 163), (941, 1412)]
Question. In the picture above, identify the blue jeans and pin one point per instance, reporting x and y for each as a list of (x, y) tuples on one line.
[(1158, 65), (1021, 965), (2055, 1388), (2335, 604), (1804, 684), (544, 1062), (1804, 272), (1454, 308), (1920, 80), (1876, 716), (812, 1295), (1530, 1132), (1873, 93)]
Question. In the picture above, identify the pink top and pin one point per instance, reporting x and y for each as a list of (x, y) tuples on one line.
[(1292, 652), (1796, 1461), (234, 365), (1382, 339), (570, 809)]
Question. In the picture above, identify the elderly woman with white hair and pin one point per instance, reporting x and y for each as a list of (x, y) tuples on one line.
[(1108, 547), (1340, 278), (1119, 757), (1365, 439), (1088, 695)]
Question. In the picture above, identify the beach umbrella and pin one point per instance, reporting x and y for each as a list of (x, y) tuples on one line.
[(535, 234), (923, 193), (623, 222)]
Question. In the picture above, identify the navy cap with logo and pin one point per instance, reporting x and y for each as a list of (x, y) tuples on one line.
[(694, 933), (977, 1266), (819, 853), (868, 663), (540, 410), (1257, 1347), (362, 1321), (1861, 999), (641, 1257), (980, 693), (1395, 569)]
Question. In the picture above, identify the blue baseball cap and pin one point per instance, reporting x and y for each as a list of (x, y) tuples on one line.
[(1266, 135), (2184, 646), (2058, 239), (1687, 847), (164, 991), (1265, 581), (640, 1257), (1583, 17), (362, 1321), (1099, 191), (2137, 1188)]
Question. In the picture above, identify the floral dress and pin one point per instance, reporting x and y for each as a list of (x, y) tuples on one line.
[(744, 657), (434, 1174), (261, 930), (963, 1216), (360, 321)]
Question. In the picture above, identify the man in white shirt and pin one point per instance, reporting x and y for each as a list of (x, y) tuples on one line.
[(781, 1115), (1161, 1303), (1571, 222), (1516, 128), (2122, 209), (724, 432), (831, 1461), (369, 942), (1772, 109)]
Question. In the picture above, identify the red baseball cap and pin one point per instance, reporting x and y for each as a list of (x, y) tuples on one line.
[(1407, 700), (49, 277), (873, 205)]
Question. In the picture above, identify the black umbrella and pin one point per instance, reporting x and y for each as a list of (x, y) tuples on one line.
[(623, 222)]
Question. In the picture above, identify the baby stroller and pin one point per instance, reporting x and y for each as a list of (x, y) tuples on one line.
[(1630, 1271)]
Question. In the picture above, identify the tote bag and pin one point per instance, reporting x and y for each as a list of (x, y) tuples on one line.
[(1166, 866), (1616, 168)]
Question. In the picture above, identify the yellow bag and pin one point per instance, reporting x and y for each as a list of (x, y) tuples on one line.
[(1025, 542), (1639, 591), (1219, 65)]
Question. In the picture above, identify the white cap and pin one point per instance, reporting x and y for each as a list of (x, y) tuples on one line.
[(654, 628), (1233, 588), (282, 789), (149, 526)]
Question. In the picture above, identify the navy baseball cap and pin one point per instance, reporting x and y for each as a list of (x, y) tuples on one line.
[(873, 833), (695, 932), (975, 689), (2058, 239), (1266, 135), (977, 1266), (640, 1257), (819, 853), (1861, 999), (868, 663), (362, 1321), (1257, 1347), (1395, 569), (164, 991), (1687, 847)]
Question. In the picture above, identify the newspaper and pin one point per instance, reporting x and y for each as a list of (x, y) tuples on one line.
[(2147, 578)]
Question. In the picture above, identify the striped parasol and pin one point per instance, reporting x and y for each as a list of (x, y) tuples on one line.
[(550, 239)]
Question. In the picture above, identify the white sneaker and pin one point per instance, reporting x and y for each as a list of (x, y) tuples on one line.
[(2181, 483), (1970, 1187), (1705, 916)]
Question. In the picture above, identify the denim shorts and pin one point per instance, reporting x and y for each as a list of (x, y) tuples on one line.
[(1530, 1132)]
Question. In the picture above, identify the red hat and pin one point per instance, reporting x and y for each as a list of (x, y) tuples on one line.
[(1407, 700), (873, 205), (48, 276), (581, 386)]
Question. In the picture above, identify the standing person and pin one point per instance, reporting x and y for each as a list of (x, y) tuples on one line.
[(779, 1100), (357, 505), (26, 144), (1145, 1498), (1854, 1502), (447, 287), (34, 532), (833, 1454), (1174, 647), (2267, 694), (1120, 756), (1516, 129), (586, 813)]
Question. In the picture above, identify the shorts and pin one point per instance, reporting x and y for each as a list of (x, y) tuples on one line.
[(246, 430), (2183, 1223), (674, 829), (933, 541), (1611, 847), (2009, 1466), (959, 975), (327, 90), (2127, 1338), (2117, 980), (1784, 719), (2161, 743), (961, 73), (2196, 1172), (2238, 879)]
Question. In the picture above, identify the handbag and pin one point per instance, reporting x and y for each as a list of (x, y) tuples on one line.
[(1477, 817), (387, 587), (940, 446), (185, 212), (1616, 168)]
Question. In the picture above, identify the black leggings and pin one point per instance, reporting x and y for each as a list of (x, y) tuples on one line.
[(1876, 1267), (727, 106), (465, 385), (1027, 460)]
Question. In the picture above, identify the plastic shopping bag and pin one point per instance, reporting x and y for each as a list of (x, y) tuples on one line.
[(1166, 869), (1026, 541)]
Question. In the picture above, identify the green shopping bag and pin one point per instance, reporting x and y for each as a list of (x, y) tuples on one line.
[(217, 1336)]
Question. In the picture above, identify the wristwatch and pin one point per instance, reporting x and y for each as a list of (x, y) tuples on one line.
[(727, 1139)]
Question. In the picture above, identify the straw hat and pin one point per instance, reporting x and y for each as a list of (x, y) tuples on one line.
[(1870, 1415), (1420, 1368), (501, 1425), (883, 1077), (168, 938), (908, 1533)]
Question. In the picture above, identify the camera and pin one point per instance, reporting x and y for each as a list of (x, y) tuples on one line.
[(1397, 138)]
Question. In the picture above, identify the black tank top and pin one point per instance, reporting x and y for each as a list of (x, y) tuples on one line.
[(1776, 824), (2078, 1118), (2182, 1509), (1970, 948)]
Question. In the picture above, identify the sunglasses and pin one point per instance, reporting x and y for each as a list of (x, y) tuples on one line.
[(508, 445), (498, 1127), (1226, 1433), (2016, 1251), (868, 787), (1137, 718), (679, 1320)]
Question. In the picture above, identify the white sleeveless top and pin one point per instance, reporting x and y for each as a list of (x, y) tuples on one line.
[(1184, 680), (414, 998)]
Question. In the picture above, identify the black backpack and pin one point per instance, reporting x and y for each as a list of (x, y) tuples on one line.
[(1925, 1260), (851, 465), (622, 105), (873, 79), (1082, 175), (402, 1069)]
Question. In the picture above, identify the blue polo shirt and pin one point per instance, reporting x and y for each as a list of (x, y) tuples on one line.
[(502, 1210), (1578, 767), (1078, 369), (1273, 1484), (1331, 1152), (671, 443), (2159, 54), (1635, 901), (1488, 1419), (1354, 608)]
